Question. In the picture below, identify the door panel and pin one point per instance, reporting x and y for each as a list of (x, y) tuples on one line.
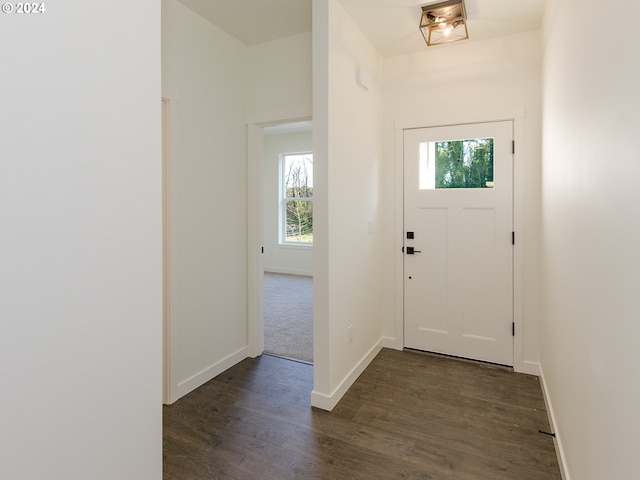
[(458, 204)]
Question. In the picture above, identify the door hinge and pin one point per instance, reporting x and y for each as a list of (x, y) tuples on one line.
[(513, 238), (402, 249), (262, 249), (513, 329), (513, 146)]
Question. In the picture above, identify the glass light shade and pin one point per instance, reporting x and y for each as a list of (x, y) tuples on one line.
[(444, 22)]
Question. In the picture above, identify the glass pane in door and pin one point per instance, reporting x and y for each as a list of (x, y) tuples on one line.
[(457, 164)]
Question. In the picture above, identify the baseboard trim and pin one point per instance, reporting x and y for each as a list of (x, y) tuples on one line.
[(391, 342), (530, 368), (564, 469), (327, 402), (203, 376)]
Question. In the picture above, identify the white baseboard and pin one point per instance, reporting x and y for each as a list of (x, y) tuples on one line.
[(530, 368), (564, 469), (391, 342), (181, 389), (327, 402), (289, 271)]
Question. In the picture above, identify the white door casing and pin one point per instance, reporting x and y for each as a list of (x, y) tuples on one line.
[(458, 286)]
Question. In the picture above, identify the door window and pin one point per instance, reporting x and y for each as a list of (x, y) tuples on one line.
[(457, 164)]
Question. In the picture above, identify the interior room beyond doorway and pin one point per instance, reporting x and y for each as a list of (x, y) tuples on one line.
[(287, 200)]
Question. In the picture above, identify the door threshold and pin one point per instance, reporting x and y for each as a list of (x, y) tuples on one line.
[(287, 358), (498, 366)]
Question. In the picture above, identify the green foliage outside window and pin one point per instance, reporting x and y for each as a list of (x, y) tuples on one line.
[(464, 163), (298, 194), (299, 221)]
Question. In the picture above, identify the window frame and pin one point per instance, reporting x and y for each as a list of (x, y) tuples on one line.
[(284, 199)]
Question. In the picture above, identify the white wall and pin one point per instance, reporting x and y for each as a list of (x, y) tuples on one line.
[(347, 161), (279, 79), (451, 84), (591, 239), (204, 77), (292, 259), (81, 243)]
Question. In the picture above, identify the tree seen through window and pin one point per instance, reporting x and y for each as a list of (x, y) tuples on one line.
[(298, 198), (464, 163)]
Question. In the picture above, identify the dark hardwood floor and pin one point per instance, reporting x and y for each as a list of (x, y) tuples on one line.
[(408, 416)]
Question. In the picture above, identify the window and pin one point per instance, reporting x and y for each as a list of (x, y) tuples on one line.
[(457, 164), (296, 213)]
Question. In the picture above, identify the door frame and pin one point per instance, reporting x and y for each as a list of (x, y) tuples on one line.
[(167, 106), (255, 266), (425, 121)]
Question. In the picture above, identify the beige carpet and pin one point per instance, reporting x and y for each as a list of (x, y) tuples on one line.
[(288, 316)]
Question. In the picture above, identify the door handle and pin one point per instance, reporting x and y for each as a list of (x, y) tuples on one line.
[(411, 251)]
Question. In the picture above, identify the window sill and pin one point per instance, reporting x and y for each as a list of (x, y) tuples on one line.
[(296, 246)]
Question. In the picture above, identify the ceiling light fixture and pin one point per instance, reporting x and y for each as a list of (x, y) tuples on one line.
[(444, 22)]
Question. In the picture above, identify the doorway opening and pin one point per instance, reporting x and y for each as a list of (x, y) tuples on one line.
[(287, 240)]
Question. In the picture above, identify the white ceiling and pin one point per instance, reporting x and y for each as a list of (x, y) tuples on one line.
[(391, 25), (255, 21)]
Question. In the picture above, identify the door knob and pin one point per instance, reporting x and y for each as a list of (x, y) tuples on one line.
[(411, 251)]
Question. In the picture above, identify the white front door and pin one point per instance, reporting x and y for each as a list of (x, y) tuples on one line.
[(458, 262)]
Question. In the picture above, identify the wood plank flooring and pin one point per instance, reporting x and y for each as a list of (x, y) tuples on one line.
[(408, 416)]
